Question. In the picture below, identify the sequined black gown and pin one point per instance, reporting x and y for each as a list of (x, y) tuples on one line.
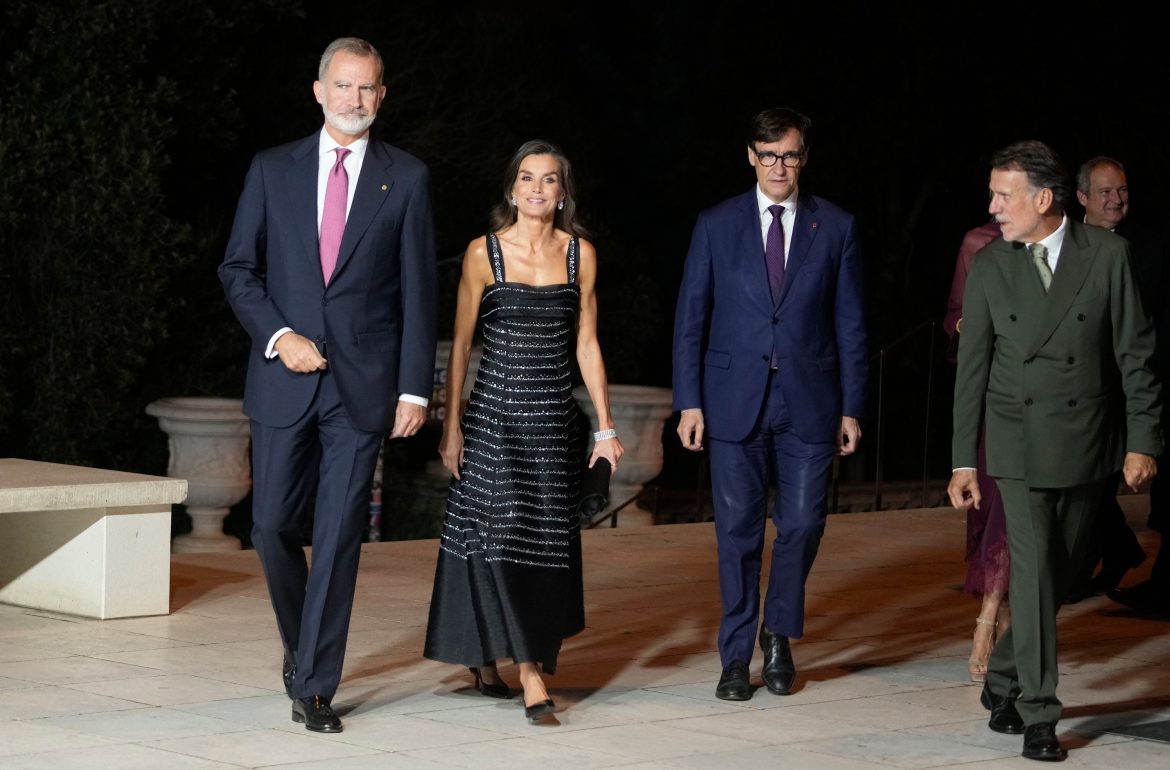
[(508, 581)]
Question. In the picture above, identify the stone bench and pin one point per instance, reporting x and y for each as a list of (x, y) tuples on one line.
[(85, 541)]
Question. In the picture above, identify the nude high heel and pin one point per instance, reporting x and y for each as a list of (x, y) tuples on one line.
[(977, 663)]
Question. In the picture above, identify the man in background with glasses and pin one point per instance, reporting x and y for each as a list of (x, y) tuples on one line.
[(770, 368)]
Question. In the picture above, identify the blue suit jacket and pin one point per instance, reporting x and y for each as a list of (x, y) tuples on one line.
[(376, 319), (726, 323)]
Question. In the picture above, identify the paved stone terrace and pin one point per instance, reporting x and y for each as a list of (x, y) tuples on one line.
[(882, 682)]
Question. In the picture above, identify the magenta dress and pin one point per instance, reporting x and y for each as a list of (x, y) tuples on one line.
[(988, 565)]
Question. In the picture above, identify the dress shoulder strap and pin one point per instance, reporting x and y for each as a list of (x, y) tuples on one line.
[(496, 257), (573, 257)]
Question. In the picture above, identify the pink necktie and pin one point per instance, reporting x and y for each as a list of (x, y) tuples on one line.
[(333, 215)]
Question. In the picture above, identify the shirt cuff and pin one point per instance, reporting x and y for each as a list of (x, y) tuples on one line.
[(414, 399), (270, 352), (956, 470)]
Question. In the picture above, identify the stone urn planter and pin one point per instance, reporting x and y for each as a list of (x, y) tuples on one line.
[(639, 411), (208, 440), (418, 500), (438, 408)]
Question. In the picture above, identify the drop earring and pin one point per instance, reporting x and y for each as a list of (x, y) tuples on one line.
[(560, 204), (513, 200)]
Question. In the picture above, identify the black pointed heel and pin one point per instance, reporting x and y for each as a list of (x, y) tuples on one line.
[(539, 711), (493, 689)]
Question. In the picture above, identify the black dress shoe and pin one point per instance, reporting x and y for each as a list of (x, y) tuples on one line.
[(289, 673), (317, 714), (1081, 589), (734, 683), (1004, 717), (1113, 570), (1146, 597), (490, 689), (1040, 743), (779, 670), (538, 711)]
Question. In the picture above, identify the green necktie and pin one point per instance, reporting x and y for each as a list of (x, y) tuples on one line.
[(1040, 257)]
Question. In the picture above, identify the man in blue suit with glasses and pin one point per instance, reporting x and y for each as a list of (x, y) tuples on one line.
[(770, 370)]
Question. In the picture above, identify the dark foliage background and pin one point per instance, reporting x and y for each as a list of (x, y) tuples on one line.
[(126, 127)]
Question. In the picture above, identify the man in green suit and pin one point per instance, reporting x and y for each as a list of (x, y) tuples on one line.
[(1054, 357)]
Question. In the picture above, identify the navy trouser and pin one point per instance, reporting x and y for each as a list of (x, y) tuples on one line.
[(313, 605), (740, 472)]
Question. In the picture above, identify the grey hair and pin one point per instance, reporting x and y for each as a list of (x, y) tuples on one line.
[(1041, 165), (351, 45), (1092, 164)]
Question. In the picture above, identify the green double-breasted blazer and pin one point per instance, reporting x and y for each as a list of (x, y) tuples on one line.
[(1062, 380)]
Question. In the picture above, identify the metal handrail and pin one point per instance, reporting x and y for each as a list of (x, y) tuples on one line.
[(881, 356), (611, 516)]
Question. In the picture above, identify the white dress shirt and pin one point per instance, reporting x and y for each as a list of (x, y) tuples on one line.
[(326, 157), (1053, 243), (787, 219)]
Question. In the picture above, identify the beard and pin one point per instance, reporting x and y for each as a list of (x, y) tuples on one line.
[(353, 123)]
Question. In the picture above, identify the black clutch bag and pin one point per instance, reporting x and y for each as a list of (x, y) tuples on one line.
[(594, 490)]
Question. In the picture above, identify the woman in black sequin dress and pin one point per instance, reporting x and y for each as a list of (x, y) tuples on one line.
[(508, 581)]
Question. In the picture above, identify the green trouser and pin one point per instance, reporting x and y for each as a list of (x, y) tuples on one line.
[(1047, 532)]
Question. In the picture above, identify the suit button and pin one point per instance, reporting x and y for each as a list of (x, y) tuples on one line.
[(1080, 316), (763, 358), (1012, 316), (324, 302), (1072, 402), (775, 321), (1071, 360), (1027, 361), (1027, 402)]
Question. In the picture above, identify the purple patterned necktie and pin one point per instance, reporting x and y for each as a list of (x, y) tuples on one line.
[(774, 253), (333, 215)]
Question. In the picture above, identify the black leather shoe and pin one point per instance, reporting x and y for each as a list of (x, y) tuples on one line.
[(1040, 743), (779, 670), (1146, 597), (538, 711), (735, 682), (289, 673), (490, 689), (1004, 717), (317, 714), (1081, 589), (1113, 570)]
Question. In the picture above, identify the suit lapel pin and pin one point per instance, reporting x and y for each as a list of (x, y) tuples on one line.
[(384, 188), (814, 225)]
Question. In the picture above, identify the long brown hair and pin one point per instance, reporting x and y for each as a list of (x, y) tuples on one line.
[(503, 214)]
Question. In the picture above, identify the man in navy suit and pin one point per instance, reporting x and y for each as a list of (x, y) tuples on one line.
[(331, 270), (770, 368)]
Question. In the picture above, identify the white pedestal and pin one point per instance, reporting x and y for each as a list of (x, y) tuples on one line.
[(209, 440), (639, 412), (438, 407), (86, 541)]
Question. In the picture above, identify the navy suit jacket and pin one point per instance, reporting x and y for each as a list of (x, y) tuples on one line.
[(726, 323), (375, 322)]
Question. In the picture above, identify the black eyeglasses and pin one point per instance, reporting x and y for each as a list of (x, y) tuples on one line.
[(768, 158)]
